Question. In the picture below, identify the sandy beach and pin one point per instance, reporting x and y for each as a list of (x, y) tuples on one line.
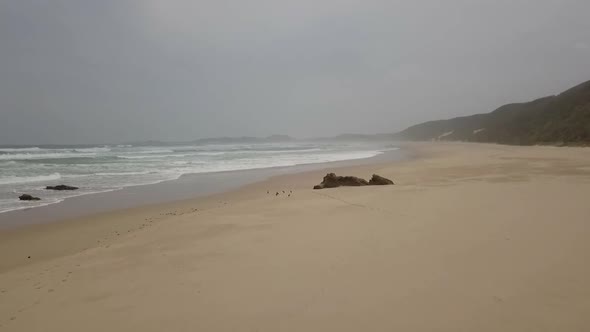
[(472, 237)]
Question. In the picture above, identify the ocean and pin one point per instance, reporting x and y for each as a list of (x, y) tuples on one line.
[(112, 167)]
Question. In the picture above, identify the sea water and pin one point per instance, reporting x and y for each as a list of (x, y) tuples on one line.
[(106, 168)]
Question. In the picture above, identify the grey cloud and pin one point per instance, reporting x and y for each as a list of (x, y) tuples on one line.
[(110, 71)]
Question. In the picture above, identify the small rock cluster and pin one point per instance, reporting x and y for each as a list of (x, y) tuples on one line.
[(27, 197), (331, 180), (61, 187)]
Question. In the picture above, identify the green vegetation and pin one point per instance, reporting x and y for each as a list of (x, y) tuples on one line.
[(561, 119)]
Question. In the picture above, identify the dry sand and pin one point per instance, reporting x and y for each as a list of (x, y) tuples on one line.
[(472, 238)]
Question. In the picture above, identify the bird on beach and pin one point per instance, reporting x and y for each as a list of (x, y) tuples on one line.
[(277, 194)]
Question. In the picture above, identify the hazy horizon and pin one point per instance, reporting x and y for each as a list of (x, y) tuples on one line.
[(86, 72), (209, 141)]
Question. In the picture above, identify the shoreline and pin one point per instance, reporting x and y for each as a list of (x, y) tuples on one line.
[(101, 224), (188, 186), (476, 237)]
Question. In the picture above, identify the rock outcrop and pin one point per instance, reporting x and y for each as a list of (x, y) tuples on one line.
[(377, 180), (27, 197), (61, 187), (331, 180)]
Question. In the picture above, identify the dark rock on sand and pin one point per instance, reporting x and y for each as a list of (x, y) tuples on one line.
[(377, 180), (61, 187), (331, 180), (27, 197)]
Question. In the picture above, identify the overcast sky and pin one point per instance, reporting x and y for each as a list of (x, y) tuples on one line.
[(112, 70)]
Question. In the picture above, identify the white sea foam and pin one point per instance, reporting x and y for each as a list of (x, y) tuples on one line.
[(29, 179), (219, 153), (151, 151), (10, 205), (103, 149), (122, 173), (19, 149), (53, 155), (153, 156), (288, 151), (7, 205)]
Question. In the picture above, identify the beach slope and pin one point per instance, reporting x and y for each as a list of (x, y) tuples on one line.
[(472, 237)]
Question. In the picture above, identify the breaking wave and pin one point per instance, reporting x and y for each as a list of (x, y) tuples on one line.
[(29, 179)]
